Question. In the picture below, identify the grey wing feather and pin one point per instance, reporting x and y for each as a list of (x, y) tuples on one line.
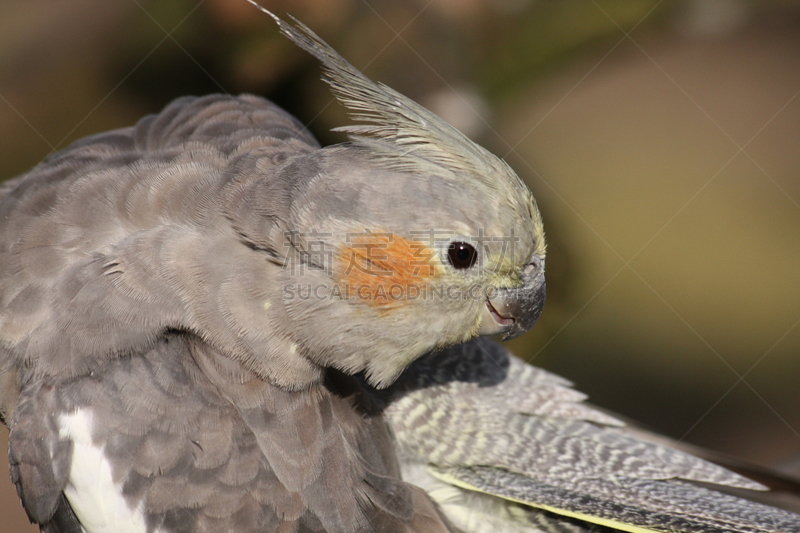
[(37, 455), (196, 443), (480, 418), (104, 245), (633, 504)]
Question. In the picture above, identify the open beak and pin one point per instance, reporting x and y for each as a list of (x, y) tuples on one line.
[(514, 311)]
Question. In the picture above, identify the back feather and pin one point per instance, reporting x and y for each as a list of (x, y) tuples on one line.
[(479, 419)]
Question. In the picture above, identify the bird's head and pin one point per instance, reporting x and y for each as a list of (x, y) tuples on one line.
[(406, 239)]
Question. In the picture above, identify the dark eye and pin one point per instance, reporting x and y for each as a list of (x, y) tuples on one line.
[(461, 255)]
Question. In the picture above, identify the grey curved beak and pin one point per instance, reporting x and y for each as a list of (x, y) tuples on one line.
[(514, 311)]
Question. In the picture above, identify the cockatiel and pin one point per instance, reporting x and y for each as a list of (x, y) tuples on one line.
[(210, 323)]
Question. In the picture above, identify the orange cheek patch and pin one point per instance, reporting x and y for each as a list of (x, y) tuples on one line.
[(384, 269)]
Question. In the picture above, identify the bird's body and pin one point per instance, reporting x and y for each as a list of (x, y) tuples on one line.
[(203, 319), (122, 357)]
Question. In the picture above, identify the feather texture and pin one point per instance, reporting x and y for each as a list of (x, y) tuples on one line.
[(477, 418), (156, 377)]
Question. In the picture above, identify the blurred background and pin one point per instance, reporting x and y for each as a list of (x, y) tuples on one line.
[(661, 139)]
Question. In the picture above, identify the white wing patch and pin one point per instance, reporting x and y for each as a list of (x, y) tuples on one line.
[(98, 502)]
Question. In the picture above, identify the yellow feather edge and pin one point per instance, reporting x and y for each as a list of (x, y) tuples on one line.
[(630, 528)]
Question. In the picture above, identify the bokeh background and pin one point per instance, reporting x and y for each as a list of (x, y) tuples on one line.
[(661, 139)]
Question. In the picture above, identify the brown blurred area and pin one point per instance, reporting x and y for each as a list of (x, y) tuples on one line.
[(661, 139)]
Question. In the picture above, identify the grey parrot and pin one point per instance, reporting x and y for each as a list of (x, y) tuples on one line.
[(210, 323)]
